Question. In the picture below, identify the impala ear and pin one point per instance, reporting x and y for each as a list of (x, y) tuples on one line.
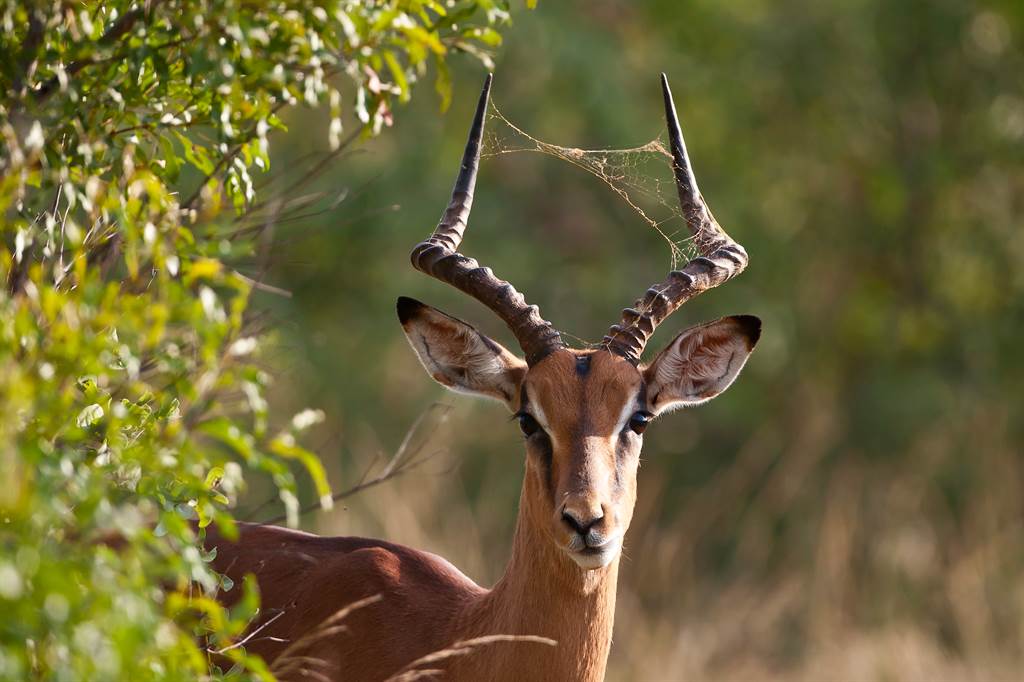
[(701, 362), (456, 355)]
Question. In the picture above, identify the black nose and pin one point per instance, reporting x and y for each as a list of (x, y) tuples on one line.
[(581, 526)]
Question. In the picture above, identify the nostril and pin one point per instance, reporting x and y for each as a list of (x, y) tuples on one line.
[(571, 521), (577, 525)]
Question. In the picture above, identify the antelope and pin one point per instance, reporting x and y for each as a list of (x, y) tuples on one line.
[(583, 414)]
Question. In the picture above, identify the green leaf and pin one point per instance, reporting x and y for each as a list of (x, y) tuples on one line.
[(398, 74), (213, 477), (90, 415), (443, 84), (285, 446), (485, 34), (125, 409), (172, 164), (196, 155)]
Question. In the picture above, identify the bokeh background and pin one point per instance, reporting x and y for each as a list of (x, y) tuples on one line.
[(852, 507)]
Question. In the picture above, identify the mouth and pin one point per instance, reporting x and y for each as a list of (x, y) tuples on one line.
[(591, 558)]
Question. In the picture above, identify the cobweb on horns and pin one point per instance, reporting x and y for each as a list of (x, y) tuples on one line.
[(640, 176)]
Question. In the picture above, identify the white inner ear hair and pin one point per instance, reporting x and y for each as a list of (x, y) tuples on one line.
[(454, 346), (700, 365), (479, 358)]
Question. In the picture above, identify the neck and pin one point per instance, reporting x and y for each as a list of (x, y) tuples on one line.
[(544, 593)]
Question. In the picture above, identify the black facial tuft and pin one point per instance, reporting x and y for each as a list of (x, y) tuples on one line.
[(582, 364)]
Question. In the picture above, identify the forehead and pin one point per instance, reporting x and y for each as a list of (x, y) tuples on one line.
[(573, 386)]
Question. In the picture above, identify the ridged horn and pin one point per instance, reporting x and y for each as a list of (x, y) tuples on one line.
[(720, 257), (439, 257)]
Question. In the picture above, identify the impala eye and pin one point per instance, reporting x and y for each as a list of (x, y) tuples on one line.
[(527, 424), (639, 421)]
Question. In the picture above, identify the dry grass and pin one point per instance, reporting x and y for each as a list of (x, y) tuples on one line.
[(293, 661), (419, 670), (799, 560)]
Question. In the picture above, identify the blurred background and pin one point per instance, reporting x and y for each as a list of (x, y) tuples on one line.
[(852, 508)]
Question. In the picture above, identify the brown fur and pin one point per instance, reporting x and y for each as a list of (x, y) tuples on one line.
[(427, 604), (582, 461), (593, 467)]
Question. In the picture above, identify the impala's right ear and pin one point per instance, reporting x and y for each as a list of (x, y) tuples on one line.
[(456, 355)]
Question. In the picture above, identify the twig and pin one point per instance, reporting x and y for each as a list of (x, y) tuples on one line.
[(322, 164), (247, 638), (116, 31), (226, 159), (400, 463), (263, 286), (28, 48)]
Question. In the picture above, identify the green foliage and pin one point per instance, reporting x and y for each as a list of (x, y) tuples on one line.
[(131, 400)]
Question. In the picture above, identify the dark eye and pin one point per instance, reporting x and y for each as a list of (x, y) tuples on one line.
[(639, 421), (527, 424)]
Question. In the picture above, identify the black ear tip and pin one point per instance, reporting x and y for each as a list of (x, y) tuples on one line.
[(407, 308), (751, 326)]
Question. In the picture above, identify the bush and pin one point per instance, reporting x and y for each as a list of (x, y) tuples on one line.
[(131, 403)]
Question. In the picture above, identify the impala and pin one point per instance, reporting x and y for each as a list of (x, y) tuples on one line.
[(583, 414)]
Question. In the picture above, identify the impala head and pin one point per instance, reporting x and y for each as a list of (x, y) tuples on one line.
[(583, 412)]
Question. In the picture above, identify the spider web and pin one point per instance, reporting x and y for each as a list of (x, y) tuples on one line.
[(640, 176)]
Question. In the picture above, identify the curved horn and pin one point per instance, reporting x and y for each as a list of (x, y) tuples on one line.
[(438, 257), (720, 257)]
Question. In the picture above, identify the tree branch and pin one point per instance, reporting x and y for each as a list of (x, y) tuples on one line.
[(28, 49), (117, 30), (403, 461)]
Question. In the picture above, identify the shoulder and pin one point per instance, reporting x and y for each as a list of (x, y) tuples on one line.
[(397, 593), (395, 567), (273, 551)]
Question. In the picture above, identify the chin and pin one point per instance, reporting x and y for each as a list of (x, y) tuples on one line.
[(593, 558)]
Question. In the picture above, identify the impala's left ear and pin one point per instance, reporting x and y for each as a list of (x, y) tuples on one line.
[(701, 362)]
